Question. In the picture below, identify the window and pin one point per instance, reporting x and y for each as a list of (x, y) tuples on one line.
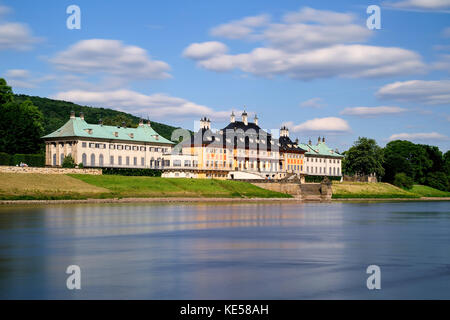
[(83, 159), (127, 147), (143, 149), (91, 145), (135, 161), (54, 159), (112, 146), (142, 161), (135, 148), (127, 161), (100, 160), (119, 147), (92, 159), (330, 171), (187, 163), (62, 158), (111, 160), (120, 160), (83, 144)]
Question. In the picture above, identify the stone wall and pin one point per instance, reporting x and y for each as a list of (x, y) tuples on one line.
[(372, 178), (304, 191), (290, 188), (11, 169)]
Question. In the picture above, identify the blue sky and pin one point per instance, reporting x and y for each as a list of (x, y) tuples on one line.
[(313, 65)]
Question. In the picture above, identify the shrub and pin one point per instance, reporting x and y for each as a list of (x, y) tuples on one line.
[(401, 180), (438, 180), (32, 160), (320, 178), (133, 172), (5, 159), (68, 162), (81, 165)]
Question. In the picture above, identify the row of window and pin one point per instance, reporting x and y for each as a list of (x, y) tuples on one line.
[(332, 171), (308, 159), (123, 147), (295, 168)]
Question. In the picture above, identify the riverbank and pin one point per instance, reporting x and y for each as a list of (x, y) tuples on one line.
[(31, 186), (211, 200)]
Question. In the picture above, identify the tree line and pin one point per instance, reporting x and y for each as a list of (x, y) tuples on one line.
[(401, 162)]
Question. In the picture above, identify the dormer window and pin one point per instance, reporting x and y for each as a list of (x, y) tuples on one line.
[(116, 134), (131, 135), (156, 137), (88, 131)]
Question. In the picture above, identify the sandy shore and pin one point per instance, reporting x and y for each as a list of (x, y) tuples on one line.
[(211, 200)]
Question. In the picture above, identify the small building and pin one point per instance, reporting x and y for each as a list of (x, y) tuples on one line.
[(98, 145), (291, 154), (321, 160)]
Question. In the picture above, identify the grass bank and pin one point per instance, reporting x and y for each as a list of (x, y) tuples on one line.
[(18, 186), (345, 190), (425, 191)]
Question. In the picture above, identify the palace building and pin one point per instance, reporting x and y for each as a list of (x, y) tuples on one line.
[(240, 150), (98, 145)]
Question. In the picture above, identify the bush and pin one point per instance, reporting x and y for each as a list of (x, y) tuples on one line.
[(401, 180), (320, 178), (32, 160), (5, 159), (68, 162), (133, 172), (438, 180), (80, 165)]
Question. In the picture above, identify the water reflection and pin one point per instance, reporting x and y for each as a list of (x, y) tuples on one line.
[(204, 251)]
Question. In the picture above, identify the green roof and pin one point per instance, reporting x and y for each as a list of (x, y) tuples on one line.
[(320, 149), (77, 127)]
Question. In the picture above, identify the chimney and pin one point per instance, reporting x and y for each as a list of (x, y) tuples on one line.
[(149, 123), (124, 124), (310, 142), (296, 140), (208, 124), (323, 139), (244, 118), (100, 122), (318, 140), (256, 119), (81, 115), (232, 117), (141, 122), (203, 123), (72, 114)]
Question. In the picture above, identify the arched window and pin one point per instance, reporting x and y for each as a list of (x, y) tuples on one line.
[(152, 162), (62, 158), (92, 160), (83, 159), (100, 160), (54, 159)]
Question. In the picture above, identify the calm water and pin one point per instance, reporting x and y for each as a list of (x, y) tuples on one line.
[(233, 251)]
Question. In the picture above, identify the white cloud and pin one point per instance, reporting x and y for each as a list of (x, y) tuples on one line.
[(311, 44), (239, 29), (417, 91), (446, 32), (418, 136), (155, 105), (372, 111), (110, 57), (420, 4), (15, 35), (443, 64), (204, 50), (329, 124), (340, 60), (313, 103), (21, 78)]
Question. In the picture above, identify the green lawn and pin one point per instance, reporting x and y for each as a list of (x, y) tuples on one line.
[(425, 191), (125, 186), (342, 190)]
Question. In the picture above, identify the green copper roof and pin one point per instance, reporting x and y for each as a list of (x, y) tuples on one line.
[(77, 127), (321, 149)]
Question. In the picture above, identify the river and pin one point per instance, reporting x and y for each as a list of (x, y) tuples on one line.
[(226, 251)]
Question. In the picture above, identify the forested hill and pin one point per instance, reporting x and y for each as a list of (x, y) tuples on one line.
[(57, 112)]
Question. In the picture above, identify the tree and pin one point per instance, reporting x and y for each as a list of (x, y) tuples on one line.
[(407, 157), (438, 180), (401, 180), (446, 165), (6, 93), (364, 157), (20, 125), (68, 162)]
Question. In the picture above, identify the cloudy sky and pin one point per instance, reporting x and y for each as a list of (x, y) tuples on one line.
[(312, 65)]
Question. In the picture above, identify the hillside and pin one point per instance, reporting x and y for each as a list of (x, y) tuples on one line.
[(56, 113)]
